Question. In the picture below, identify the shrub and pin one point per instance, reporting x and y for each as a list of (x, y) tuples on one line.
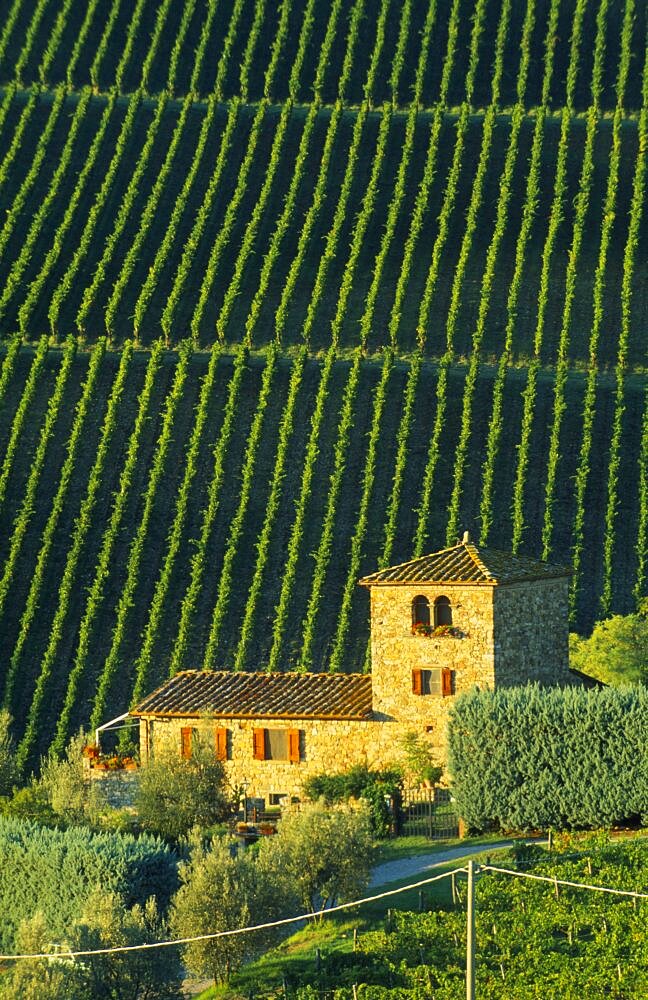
[(106, 923), (325, 852), (175, 794), (534, 757), (378, 788), (617, 650), (57, 871)]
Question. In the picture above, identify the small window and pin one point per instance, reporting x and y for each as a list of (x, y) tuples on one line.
[(277, 744), (420, 611), (436, 682), (442, 612), (277, 798)]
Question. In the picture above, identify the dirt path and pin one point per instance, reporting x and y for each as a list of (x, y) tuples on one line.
[(395, 871)]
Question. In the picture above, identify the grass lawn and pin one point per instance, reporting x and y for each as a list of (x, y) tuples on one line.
[(400, 848)]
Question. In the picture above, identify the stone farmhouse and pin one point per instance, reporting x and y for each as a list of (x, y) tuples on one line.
[(440, 625)]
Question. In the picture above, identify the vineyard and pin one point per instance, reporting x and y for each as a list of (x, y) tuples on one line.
[(293, 289), (541, 930)]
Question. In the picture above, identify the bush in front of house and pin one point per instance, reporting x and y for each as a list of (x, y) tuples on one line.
[(56, 871), (320, 855), (223, 890), (326, 852), (176, 793), (378, 788), (534, 758)]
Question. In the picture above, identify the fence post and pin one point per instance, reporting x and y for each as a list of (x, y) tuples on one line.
[(470, 933)]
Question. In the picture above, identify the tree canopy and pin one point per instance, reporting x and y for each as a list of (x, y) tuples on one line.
[(617, 650)]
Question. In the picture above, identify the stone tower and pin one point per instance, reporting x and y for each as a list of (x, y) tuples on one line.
[(465, 616)]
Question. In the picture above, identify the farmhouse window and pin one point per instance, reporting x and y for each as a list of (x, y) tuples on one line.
[(186, 741), (420, 611), (220, 740), (277, 744), (442, 611), (437, 681)]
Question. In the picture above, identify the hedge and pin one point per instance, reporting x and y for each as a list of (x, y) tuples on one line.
[(55, 871), (533, 758)]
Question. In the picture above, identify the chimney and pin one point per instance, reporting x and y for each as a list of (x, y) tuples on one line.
[(466, 538)]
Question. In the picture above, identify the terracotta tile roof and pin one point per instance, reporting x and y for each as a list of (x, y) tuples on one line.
[(222, 693), (466, 563)]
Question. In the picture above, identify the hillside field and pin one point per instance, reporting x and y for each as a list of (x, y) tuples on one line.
[(293, 289)]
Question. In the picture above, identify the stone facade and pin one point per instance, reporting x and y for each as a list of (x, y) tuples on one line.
[(396, 653), (118, 788), (505, 622), (506, 635), (531, 633), (324, 745)]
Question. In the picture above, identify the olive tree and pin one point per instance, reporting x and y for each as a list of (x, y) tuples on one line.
[(224, 890), (175, 793), (325, 851), (106, 923)]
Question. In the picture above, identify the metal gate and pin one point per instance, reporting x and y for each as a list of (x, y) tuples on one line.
[(429, 812)]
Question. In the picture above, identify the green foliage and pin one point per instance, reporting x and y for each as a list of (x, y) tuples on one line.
[(419, 759), (57, 872), (105, 923), (72, 799), (532, 940), (25, 514), (8, 765), (360, 782), (222, 891), (82, 526), (224, 172), (96, 593), (35, 374), (534, 758), (325, 852), (617, 650), (175, 793), (49, 533)]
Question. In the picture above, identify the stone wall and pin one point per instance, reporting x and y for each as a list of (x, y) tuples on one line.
[(395, 653), (325, 745), (509, 635), (118, 788), (532, 633)]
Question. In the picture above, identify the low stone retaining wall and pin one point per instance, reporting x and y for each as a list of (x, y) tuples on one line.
[(118, 787)]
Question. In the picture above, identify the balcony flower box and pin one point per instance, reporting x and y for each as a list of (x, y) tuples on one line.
[(438, 631)]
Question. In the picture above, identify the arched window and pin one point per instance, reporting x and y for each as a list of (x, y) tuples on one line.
[(442, 612), (420, 611)]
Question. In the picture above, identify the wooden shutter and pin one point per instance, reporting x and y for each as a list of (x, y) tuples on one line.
[(185, 741), (293, 746), (221, 744), (417, 682), (258, 744), (446, 681)]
